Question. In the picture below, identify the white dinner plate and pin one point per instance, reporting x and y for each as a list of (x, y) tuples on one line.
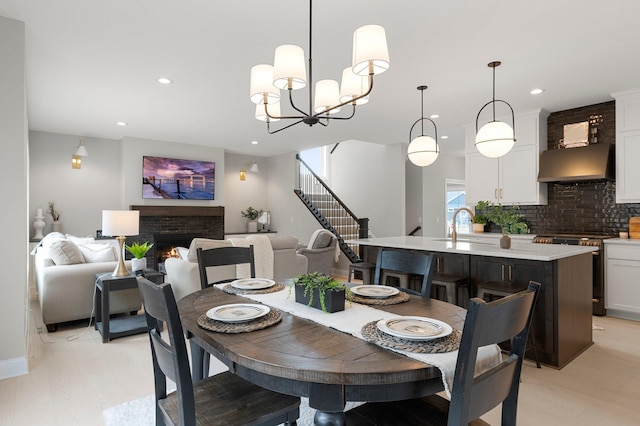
[(253, 283), (377, 291), (238, 312), (415, 328)]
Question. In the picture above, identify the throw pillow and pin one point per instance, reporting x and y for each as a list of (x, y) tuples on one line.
[(80, 240), (64, 252), (323, 239), (50, 238), (183, 252), (93, 253)]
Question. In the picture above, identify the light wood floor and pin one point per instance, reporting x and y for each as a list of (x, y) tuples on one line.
[(74, 377)]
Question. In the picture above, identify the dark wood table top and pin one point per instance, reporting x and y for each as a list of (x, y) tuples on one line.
[(303, 350)]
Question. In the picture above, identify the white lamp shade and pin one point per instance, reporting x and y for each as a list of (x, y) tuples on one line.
[(261, 84), (81, 151), (274, 110), (352, 86), (370, 46), (254, 168), (423, 151), (288, 63), (327, 95), (495, 139), (120, 223)]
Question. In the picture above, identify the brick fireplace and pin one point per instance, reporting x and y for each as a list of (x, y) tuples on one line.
[(172, 226)]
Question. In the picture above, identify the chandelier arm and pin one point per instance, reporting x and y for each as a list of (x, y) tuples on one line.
[(304, 114), (353, 112), (354, 99), (513, 117), (421, 120), (281, 129)]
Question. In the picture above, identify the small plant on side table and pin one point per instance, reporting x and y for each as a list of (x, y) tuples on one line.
[(311, 289), (139, 263)]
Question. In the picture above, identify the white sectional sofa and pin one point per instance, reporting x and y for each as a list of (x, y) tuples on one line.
[(275, 258), (66, 269)]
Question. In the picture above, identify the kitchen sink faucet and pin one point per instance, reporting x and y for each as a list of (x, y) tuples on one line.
[(454, 233)]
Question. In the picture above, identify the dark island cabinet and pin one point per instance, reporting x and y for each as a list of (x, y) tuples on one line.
[(562, 301)]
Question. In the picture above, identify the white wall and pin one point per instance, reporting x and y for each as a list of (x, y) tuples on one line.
[(433, 192), (370, 179), (15, 230), (414, 194), (241, 194)]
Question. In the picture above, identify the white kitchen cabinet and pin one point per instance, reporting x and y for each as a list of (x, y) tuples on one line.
[(622, 269), (627, 146), (513, 178)]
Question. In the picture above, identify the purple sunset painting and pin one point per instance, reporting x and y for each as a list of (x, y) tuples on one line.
[(172, 178)]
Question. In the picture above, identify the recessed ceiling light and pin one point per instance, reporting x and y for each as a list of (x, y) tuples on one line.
[(121, 123), (536, 91), (434, 116), (164, 80), (254, 142), (444, 137)]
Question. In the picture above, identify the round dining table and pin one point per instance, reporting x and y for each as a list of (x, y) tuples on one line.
[(300, 357)]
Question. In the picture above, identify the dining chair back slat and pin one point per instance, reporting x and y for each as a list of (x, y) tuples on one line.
[(217, 400), (508, 318), (224, 256), (409, 262)]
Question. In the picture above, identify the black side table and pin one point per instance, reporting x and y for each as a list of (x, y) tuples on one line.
[(121, 326)]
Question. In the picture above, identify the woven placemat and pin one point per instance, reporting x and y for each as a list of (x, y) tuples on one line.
[(401, 297), (233, 290), (273, 317), (449, 343)]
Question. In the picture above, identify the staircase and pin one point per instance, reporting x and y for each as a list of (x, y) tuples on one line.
[(330, 211)]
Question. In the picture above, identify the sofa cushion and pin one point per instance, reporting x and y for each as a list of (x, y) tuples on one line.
[(204, 244), (97, 252), (80, 240), (65, 252), (50, 238), (323, 239)]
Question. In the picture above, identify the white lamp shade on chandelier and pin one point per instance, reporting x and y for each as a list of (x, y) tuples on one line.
[(289, 65), (495, 139), (352, 86), (274, 111), (116, 223), (262, 85), (423, 151), (370, 47), (327, 95)]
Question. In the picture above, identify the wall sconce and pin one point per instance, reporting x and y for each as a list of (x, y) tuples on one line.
[(76, 161), (82, 150), (243, 175), (253, 167)]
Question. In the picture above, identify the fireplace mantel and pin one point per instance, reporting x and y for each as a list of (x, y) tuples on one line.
[(169, 211)]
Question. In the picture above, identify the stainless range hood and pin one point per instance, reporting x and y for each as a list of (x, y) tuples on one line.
[(591, 162)]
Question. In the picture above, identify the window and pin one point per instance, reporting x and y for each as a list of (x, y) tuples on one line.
[(456, 197), (316, 159)]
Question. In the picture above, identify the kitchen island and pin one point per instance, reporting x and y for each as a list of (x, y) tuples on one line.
[(562, 318)]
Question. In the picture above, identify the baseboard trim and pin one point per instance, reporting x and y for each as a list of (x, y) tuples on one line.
[(13, 367)]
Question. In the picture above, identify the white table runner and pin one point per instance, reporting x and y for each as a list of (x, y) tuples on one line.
[(355, 316)]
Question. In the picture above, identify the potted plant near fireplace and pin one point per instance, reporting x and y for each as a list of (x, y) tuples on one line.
[(252, 216), (139, 262), (321, 292)]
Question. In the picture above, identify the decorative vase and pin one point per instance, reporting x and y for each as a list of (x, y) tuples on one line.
[(56, 226), (38, 225), (478, 227), (252, 226), (505, 241), (138, 264), (333, 300)]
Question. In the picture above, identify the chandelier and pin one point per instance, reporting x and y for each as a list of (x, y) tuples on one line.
[(423, 150), (495, 138), (370, 57)]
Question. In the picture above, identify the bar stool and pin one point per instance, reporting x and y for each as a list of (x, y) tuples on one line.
[(502, 289), (365, 268), (402, 277), (452, 284)]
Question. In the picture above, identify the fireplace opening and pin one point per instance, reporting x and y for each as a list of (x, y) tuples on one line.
[(165, 247)]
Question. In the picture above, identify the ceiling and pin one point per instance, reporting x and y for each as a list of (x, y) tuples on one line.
[(93, 63)]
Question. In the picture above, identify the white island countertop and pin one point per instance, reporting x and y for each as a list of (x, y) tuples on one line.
[(518, 250)]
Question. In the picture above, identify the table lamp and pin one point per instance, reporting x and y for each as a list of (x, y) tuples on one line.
[(119, 224)]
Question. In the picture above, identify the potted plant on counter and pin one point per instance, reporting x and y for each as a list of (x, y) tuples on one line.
[(252, 216), (509, 221), (138, 251), (321, 292), (480, 219)]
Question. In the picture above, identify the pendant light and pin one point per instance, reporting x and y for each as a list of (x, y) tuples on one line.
[(423, 150), (496, 138)]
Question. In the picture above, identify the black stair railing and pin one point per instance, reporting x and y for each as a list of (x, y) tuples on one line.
[(330, 211)]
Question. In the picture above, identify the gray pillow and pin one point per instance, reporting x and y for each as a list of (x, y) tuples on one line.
[(64, 252), (323, 240)]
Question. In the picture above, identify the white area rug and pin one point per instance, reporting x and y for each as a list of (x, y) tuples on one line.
[(141, 412)]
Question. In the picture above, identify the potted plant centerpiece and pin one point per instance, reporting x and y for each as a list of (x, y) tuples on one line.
[(509, 220), (252, 216), (321, 292), (139, 262)]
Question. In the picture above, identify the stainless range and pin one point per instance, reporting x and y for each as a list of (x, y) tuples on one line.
[(598, 261)]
